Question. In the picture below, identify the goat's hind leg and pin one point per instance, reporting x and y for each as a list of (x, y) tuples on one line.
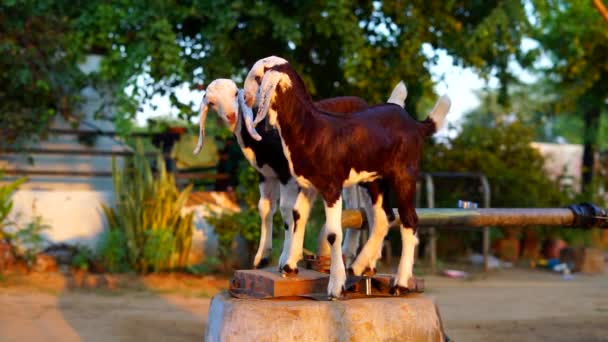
[(409, 220), (367, 258), (267, 205)]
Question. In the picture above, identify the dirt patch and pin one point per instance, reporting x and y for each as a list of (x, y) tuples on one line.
[(57, 283), (507, 305), (523, 305)]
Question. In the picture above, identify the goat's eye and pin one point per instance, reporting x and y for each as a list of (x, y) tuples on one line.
[(258, 79), (211, 104), (236, 93)]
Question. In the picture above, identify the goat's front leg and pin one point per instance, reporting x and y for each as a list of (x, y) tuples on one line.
[(301, 210), (333, 223), (289, 194), (267, 205)]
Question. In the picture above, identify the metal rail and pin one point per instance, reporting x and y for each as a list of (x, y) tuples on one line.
[(577, 216), (74, 173), (79, 152), (67, 131), (429, 178)]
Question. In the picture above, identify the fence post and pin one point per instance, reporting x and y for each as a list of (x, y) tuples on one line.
[(430, 199), (485, 185)]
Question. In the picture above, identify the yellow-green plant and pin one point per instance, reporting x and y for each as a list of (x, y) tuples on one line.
[(149, 213), (6, 202)]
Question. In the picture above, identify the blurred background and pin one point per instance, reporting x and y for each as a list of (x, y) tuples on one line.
[(87, 85), (98, 118)]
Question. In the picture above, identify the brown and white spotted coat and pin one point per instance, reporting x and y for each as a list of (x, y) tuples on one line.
[(266, 156), (326, 152)]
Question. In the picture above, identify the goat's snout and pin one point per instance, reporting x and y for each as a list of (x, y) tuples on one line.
[(231, 117)]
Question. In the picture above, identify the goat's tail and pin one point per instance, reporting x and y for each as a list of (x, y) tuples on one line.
[(398, 95), (436, 118)]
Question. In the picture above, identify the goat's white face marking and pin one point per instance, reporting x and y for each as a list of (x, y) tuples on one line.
[(221, 96), (255, 75)]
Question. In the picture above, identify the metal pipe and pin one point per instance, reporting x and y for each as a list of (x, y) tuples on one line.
[(497, 217), (430, 200), (485, 186)]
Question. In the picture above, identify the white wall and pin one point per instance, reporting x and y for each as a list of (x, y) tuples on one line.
[(562, 160), (74, 216), (69, 205)]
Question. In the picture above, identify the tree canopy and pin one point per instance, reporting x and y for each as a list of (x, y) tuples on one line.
[(340, 47), (39, 78), (574, 36)]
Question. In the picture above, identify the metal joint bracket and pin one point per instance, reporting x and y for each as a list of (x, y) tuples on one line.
[(588, 215)]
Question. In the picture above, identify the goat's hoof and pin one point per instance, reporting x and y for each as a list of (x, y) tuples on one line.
[(398, 290), (263, 263), (287, 271), (369, 272), (332, 297), (350, 271)]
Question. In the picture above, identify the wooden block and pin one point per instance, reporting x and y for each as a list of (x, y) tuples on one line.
[(266, 283)]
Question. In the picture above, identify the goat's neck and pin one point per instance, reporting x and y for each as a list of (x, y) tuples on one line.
[(298, 120)]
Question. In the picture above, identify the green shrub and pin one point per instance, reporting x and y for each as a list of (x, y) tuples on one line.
[(227, 226), (208, 266), (500, 149), (28, 241), (148, 213), (113, 251), (6, 202), (82, 259), (503, 153)]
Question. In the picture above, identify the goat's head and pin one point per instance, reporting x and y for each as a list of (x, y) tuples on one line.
[(255, 75), (223, 96), (272, 80)]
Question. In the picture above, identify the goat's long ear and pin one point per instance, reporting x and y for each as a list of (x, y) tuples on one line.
[(247, 116), (267, 89), (201, 134)]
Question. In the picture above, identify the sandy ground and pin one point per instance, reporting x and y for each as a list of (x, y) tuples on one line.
[(508, 305)]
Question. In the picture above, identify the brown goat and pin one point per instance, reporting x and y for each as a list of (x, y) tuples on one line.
[(327, 152)]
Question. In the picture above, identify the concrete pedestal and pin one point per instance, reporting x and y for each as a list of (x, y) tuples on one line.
[(411, 318)]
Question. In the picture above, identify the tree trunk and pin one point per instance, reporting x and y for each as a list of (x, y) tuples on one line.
[(592, 122), (599, 5)]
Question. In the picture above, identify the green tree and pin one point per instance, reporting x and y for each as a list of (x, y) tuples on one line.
[(38, 58), (574, 36), (340, 47), (501, 150)]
